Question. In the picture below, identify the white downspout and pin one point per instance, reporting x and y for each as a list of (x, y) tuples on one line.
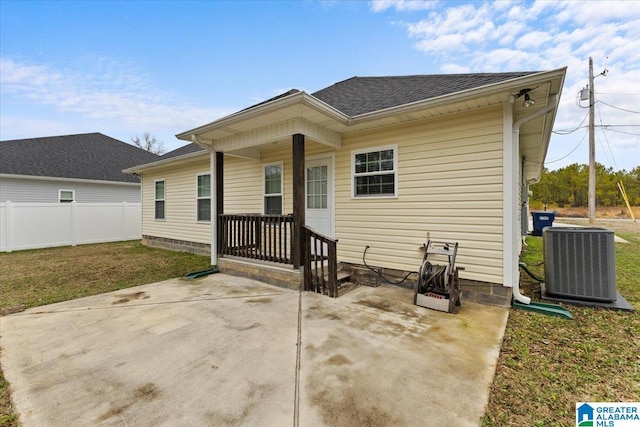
[(515, 140), (214, 200)]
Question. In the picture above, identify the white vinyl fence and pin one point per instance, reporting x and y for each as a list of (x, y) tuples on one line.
[(41, 225)]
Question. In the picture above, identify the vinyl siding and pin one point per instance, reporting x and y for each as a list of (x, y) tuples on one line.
[(449, 188), (180, 221), (242, 185), (46, 191)]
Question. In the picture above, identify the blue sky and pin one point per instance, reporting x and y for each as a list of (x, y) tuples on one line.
[(124, 68)]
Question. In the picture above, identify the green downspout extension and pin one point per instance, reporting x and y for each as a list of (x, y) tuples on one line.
[(548, 309), (201, 273)]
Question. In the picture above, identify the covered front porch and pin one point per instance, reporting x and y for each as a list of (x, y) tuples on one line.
[(284, 236)]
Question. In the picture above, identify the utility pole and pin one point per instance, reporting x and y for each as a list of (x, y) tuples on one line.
[(592, 149)]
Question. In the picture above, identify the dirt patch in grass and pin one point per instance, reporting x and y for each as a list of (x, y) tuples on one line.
[(547, 364)]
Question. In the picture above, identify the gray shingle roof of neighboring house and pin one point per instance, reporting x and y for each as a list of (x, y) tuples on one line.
[(359, 95), (91, 156)]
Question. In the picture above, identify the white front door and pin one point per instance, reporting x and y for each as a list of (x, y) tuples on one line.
[(319, 194)]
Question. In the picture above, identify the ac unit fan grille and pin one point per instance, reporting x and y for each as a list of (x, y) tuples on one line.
[(580, 263)]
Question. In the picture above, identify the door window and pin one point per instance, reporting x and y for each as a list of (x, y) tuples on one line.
[(317, 187)]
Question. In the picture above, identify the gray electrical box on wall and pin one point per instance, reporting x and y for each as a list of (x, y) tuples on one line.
[(580, 263)]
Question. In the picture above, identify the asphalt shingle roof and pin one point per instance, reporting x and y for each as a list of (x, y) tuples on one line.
[(185, 149), (91, 156), (359, 95)]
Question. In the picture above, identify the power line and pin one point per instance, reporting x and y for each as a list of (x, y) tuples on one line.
[(621, 131), (602, 129), (560, 132), (567, 132), (618, 108), (570, 152), (617, 93)]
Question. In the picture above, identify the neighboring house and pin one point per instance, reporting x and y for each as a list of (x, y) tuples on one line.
[(383, 163), (85, 168), (68, 190)]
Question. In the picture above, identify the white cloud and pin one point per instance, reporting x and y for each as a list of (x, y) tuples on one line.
[(544, 35), (455, 69), (401, 5), (103, 91), (533, 39), (597, 12)]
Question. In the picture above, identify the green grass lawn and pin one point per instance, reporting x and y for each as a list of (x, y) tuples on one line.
[(44, 276), (547, 364)]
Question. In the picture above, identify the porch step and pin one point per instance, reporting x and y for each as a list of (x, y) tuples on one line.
[(343, 276), (345, 287)]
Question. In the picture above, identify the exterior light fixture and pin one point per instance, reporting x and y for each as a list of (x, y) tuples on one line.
[(528, 101)]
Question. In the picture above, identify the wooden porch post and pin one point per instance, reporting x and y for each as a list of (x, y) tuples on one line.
[(298, 200), (219, 186)]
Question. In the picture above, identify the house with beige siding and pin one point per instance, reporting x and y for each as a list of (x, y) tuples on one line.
[(370, 167)]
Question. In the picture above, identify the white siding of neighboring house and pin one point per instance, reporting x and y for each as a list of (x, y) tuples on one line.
[(47, 190)]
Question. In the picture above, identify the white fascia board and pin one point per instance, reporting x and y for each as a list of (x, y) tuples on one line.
[(297, 98), (461, 96), (163, 162), (80, 180)]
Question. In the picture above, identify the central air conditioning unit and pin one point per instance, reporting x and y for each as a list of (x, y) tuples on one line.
[(580, 263)]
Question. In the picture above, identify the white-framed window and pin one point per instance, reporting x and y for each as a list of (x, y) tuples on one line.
[(159, 198), (273, 182), (203, 189), (66, 196), (374, 172)]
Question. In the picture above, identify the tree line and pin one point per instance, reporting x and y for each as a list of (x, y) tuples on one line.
[(569, 187)]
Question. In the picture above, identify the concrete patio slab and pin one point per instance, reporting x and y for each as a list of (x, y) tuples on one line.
[(222, 350)]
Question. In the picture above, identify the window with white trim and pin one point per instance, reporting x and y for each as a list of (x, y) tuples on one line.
[(159, 199), (66, 196), (204, 197), (273, 189), (375, 172)]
